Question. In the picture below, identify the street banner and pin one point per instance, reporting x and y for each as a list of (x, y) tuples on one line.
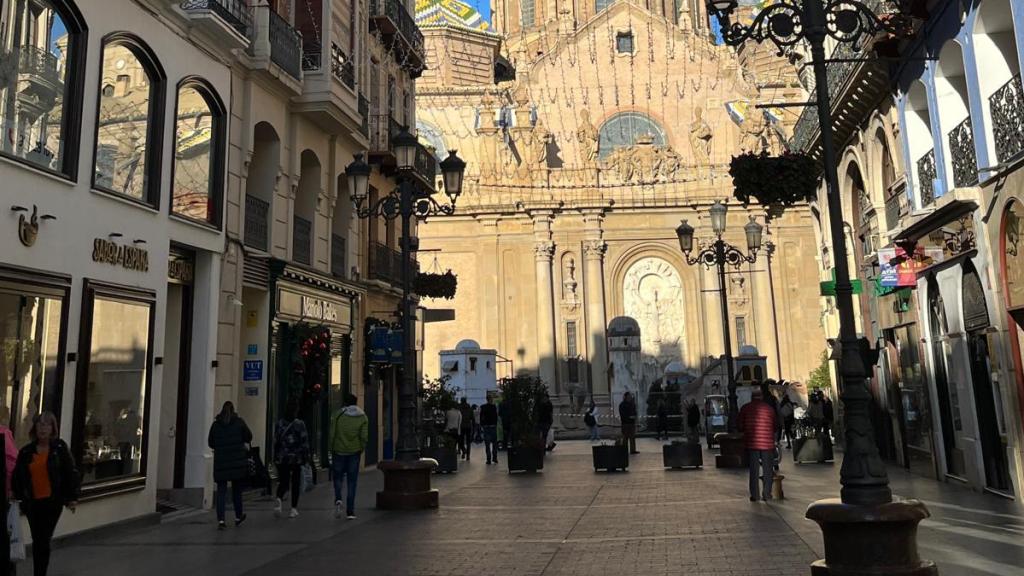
[(897, 269)]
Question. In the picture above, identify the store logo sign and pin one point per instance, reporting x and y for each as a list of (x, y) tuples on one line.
[(128, 257), (319, 309)]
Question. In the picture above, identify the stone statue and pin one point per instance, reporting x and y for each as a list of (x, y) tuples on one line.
[(756, 133), (623, 162), (587, 137), (541, 140), (700, 137), (670, 163), (569, 284)]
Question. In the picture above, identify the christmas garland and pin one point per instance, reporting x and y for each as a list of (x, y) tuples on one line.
[(434, 285), (311, 358)]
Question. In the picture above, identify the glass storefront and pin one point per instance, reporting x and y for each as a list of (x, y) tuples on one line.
[(113, 383), (915, 406), (30, 366)]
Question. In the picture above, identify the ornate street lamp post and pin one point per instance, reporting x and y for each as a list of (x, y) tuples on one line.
[(407, 478), (865, 532), (720, 253)]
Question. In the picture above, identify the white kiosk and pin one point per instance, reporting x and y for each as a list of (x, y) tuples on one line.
[(473, 370)]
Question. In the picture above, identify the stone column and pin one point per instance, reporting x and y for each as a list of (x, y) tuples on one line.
[(597, 321), (547, 353)]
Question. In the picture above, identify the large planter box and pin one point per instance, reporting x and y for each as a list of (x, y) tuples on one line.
[(733, 452), (447, 458), (812, 450), (525, 459), (682, 455), (610, 457)]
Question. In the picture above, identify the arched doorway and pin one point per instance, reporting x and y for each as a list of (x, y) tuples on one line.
[(948, 397), (987, 400)]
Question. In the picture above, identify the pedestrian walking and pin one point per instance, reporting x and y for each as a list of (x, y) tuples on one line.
[(757, 422), (816, 411), (590, 419), (545, 420), (786, 411), (627, 418), (350, 432), (828, 416), (291, 453), (478, 431), (662, 420), (465, 428), (453, 425), (489, 425), (693, 420), (45, 480), (229, 438)]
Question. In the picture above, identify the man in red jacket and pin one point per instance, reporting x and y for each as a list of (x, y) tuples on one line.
[(757, 422)]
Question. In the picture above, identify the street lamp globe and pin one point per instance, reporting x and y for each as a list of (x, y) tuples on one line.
[(685, 234), (753, 231), (405, 145), (452, 170), (722, 7), (718, 211), (358, 174)]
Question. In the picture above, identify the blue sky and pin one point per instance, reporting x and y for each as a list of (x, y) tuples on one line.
[(481, 6)]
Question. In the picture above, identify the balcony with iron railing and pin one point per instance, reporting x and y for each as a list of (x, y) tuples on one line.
[(39, 65), (1007, 107), (386, 264), (897, 205), (236, 14), (963, 154), (383, 127), (275, 40), (926, 175), (364, 113), (257, 223), (425, 166), (338, 256), (302, 241), (392, 19)]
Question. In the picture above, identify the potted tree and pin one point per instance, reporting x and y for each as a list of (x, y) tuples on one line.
[(521, 395), (611, 457), (437, 397)]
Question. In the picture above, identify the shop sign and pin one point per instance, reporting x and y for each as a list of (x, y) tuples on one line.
[(319, 309), (251, 349), (252, 370), (899, 270), (128, 257), (181, 269), (385, 345)]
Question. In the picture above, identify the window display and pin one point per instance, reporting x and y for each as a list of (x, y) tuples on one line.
[(115, 387)]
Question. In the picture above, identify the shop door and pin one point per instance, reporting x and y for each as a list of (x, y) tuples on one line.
[(174, 392), (997, 470), (948, 398)]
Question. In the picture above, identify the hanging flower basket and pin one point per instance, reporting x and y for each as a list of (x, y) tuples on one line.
[(434, 285), (775, 182)]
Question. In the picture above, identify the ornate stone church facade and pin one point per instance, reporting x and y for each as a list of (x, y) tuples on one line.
[(590, 131)]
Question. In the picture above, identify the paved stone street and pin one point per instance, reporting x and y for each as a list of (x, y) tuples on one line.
[(564, 521)]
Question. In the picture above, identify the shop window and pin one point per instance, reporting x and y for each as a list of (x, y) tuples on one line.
[(112, 396), (198, 153), (42, 49), (129, 122), (30, 366), (472, 364)]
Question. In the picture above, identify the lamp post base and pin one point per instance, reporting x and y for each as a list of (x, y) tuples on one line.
[(407, 485), (870, 540), (733, 452)]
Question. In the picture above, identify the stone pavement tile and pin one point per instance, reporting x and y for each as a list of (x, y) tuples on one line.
[(163, 559)]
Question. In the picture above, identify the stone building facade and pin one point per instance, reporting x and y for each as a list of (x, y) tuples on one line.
[(620, 121)]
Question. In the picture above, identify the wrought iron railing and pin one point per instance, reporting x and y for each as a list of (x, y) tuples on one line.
[(964, 156), (343, 67), (926, 177), (285, 45), (382, 128), (385, 263), (302, 241), (237, 13), (312, 59), (425, 163), (896, 204), (364, 113), (338, 248), (38, 62), (257, 226), (1007, 107), (404, 22)]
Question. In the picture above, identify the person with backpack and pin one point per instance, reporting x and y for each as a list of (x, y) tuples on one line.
[(350, 432), (465, 428), (229, 437), (291, 453), (590, 419)]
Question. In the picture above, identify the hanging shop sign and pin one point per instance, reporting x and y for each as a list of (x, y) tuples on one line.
[(127, 257), (899, 269), (318, 309), (385, 345)]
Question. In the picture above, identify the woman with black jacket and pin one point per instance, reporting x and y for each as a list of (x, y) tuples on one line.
[(45, 481), (228, 438)]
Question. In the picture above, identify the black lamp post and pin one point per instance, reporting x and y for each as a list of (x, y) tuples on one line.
[(720, 253), (407, 478), (865, 532)]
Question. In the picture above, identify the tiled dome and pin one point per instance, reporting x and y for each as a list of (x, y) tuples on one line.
[(449, 13)]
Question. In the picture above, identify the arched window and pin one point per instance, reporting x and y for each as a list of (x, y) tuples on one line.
[(42, 55), (198, 153), (306, 202), (919, 140), (954, 115), (626, 129), (129, 126), (995, 48)]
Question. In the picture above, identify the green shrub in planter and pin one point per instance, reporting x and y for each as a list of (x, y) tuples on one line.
[(437, 396), (522, 395)]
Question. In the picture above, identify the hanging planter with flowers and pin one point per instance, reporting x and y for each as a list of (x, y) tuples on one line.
[(775, 182), (436, 285)]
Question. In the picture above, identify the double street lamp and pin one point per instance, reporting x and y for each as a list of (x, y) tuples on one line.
[(407, 479), (720, 253), (865, 532)]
